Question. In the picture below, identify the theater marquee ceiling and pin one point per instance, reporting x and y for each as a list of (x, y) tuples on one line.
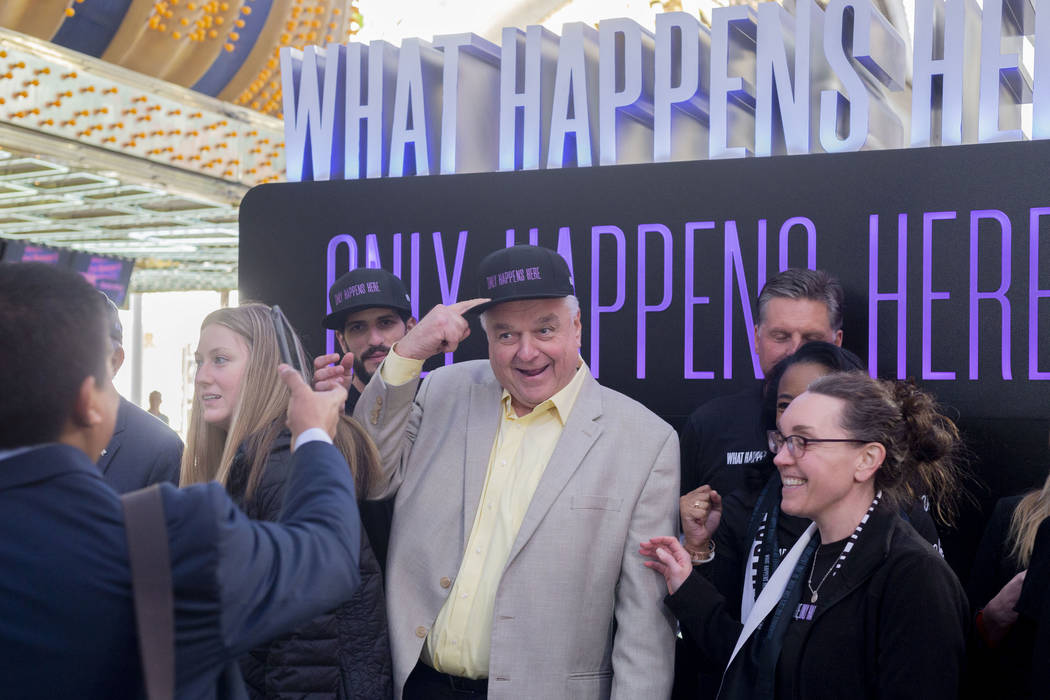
[(134, 127)]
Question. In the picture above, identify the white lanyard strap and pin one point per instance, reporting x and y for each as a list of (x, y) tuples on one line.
[(773, 591)]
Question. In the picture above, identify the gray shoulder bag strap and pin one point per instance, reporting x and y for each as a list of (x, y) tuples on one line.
[(151, 587)]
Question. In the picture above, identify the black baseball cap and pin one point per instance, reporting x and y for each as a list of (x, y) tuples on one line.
[(522, 272), (365, 288)]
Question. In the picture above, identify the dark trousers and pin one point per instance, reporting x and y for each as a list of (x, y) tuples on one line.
[(424, 683)]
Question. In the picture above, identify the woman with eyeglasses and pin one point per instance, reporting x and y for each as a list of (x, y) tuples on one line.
[(746, 527), (749, 531), (860, 606)]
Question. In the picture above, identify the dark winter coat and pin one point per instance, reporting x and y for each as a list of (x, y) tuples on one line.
[(1002, 673), (894, 626), (343, 654), (733, 541)]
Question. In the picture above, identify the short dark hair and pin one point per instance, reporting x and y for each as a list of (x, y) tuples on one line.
[(52, 336), (800, 283), (815, 352)]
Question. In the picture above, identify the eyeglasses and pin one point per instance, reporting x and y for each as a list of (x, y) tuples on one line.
[(797, 444)]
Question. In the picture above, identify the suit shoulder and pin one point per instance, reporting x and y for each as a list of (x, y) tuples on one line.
[(637, 414), (909, 548), (1005, 507), (471, 371), (149, 426)]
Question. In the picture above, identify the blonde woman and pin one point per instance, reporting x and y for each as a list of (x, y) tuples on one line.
[(237, 437), (1001, 652)]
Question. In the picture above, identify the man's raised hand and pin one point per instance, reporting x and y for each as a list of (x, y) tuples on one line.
[(330, 372), (441, 330), (308, 408)]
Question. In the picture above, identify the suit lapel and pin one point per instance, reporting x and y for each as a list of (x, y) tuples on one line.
[(581, 432), (482, 423)]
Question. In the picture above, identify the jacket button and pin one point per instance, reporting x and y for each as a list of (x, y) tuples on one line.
[(375, 417), (421, 632), (445, 582), (379, 401)]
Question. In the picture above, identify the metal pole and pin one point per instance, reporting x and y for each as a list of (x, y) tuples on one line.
[(136, 349)]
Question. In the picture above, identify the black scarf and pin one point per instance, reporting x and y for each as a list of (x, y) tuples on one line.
[(756, 679), (762, 534)]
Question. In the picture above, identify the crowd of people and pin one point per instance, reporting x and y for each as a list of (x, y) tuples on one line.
[(506, 528)]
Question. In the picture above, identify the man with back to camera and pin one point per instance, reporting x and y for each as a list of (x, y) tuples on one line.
[(371, 311), (67, 621), (523, 489), (727, 432), (143, 450)]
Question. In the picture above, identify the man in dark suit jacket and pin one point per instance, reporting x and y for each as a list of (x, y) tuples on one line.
[(67, 621), (143, 450)]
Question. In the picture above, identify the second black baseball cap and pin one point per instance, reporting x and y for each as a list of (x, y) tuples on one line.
[(365, 288)]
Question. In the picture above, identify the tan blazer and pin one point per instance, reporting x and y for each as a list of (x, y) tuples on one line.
[(577, 615)]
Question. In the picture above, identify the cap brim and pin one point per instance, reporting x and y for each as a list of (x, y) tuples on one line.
[(480, 308), (337, 319)]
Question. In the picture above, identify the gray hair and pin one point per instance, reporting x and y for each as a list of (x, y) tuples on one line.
[(800, 283), (571, 303)]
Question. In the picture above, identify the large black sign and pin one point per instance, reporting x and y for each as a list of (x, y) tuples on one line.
[(944, 253)]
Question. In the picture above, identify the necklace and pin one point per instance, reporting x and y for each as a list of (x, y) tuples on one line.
[(846, 549), (834, 565)]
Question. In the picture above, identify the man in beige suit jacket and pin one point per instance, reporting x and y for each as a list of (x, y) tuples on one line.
[(523, 489)]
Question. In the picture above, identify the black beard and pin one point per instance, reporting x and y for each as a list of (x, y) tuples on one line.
[(359, 365), (360, 372)]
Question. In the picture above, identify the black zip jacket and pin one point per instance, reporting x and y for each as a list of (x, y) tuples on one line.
[(894, 627), (341, 655)]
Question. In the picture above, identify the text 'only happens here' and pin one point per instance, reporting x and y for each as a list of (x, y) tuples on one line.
[(663, 276)]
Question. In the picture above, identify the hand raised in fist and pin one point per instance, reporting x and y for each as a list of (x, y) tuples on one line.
[(701, 511)]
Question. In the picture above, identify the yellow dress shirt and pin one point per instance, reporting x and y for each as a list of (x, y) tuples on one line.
[(458, 642)]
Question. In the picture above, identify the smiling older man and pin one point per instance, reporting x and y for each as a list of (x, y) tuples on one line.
[(523, 489)]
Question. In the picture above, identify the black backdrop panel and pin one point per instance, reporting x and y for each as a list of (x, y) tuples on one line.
[(434, 230), (957, 221)]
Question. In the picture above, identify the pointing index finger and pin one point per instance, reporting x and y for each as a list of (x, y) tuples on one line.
[(461, 307)]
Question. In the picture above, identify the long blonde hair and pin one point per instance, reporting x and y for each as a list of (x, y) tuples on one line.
[(1029, 514), (259, 415)]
